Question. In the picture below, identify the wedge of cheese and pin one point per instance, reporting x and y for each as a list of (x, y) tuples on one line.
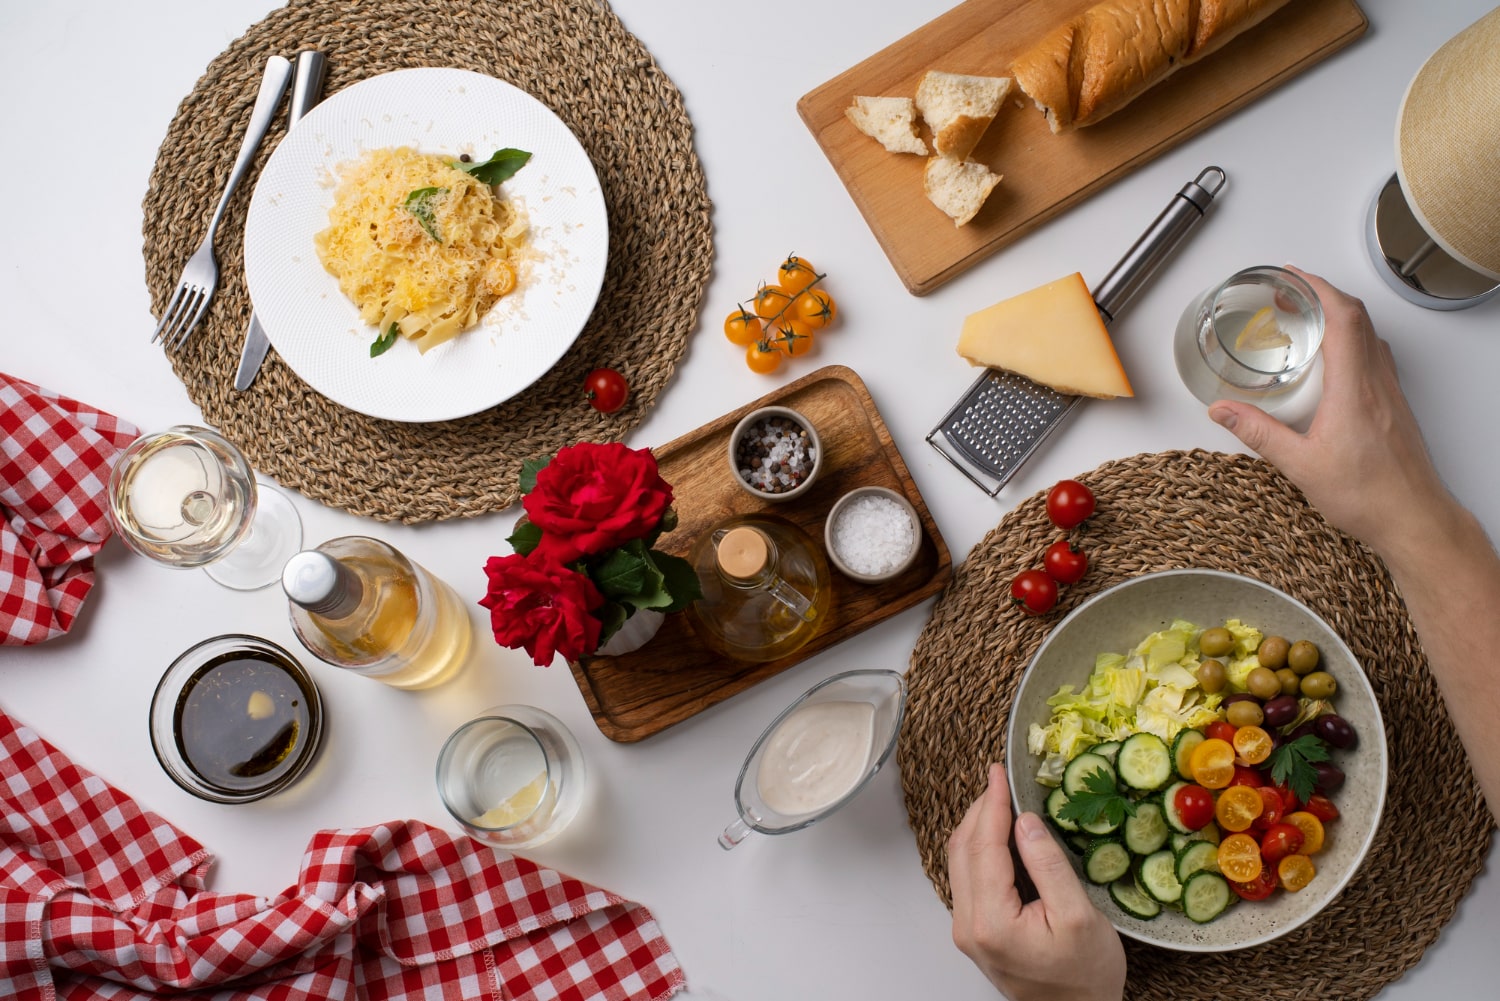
[(1053, 336)]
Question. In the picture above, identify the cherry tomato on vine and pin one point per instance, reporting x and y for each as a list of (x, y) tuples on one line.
[(764, 357), (1069, 504), (1195, 807), (816, 308), (771, 300), (1065, 562), (606, 390), (791, 339), (1034, 592), (796, 273), (742, 327)]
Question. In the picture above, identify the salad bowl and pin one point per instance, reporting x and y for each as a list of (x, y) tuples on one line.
[(1117, 620)]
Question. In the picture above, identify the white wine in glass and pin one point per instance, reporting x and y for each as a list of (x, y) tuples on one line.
[(186, 497)]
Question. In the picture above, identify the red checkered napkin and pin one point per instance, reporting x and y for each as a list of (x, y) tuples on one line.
[(55, 457), (100, 899)]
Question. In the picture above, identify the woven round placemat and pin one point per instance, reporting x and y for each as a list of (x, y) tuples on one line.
[(578, 59), (1233, 513)]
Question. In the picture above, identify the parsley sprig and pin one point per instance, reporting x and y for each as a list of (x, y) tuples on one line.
[(1097, 800), (1292, 764)]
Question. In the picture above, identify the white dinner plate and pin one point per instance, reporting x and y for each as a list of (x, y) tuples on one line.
[(318, 331)]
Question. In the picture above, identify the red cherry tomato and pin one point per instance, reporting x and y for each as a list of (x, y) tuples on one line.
[(1289, 801), (1220, 729), (1195, 807), (1069, 504), (1065, 562), (1322, 807), (606, 390), (1259, 888), (1272, 808), (1034, 592), (1280, 841), (1244, 775)]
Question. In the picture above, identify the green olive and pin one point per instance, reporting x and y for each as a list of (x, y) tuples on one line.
[(1272, 652), (1211, 676), (1215, 642), (1302, 657), (1263, 683), (1246, 712), (1291, 684), (1319, 685)]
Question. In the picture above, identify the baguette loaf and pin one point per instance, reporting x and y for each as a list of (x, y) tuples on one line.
[(1092, 66)]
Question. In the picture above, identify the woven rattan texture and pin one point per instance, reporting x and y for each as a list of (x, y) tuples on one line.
[(1232, 513), (578, 59)]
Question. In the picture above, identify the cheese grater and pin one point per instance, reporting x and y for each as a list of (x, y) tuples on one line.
[(1004, 418)]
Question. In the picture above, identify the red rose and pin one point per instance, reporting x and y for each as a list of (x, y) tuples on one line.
[(541, 606), (592, 498)]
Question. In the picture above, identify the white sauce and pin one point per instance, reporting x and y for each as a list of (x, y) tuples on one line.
[(816, 756)]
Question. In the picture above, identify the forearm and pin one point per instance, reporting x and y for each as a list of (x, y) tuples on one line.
[(1449, 575)]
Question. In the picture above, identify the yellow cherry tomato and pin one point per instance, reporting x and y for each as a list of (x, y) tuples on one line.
[(796, 273), (742, 327), (1294, 872), (763, 357), (817, 308), (1212, 764), (771, 301), (1311, 828), (1239, 857), (791, 339), (1252, 744), (1237, 808)]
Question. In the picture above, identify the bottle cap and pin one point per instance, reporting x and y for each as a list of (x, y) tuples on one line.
[(320, 584), (743, 552)]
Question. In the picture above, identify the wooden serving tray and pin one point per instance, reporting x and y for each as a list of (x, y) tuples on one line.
[(1045, 174), (675, 676)]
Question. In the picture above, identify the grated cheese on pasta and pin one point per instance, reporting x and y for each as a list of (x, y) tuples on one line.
[(433, 265)]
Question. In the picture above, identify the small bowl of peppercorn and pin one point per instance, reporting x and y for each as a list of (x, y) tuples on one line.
[(774, 453)]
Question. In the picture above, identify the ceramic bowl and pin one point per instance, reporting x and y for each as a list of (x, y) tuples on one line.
[(1117, 620), (851, 565), (747, 425)]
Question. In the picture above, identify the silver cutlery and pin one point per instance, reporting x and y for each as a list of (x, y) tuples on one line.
[(200, 276), (307, 90)]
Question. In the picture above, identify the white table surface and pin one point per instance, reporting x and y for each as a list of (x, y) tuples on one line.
[(841, 910)]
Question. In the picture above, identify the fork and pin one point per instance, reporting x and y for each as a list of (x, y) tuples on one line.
[(200, 276)]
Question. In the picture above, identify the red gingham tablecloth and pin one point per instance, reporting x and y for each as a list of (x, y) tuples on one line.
[(100, 899), (55, 458)]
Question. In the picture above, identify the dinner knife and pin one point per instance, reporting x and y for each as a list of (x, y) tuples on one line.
[(307, 90)]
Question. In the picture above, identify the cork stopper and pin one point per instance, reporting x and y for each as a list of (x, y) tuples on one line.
[(743, 552)]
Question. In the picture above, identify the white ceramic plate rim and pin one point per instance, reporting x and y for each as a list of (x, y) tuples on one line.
[(318, 332), (1372, 743)]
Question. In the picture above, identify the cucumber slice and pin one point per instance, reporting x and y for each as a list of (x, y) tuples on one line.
[(1144, 763), (1078, 844), (1146, 830), (1056, 799), (1099, 827), (1108, 750), (1209, 834), (1197, 856), (1081, 767), (1132, 901), (1182, 751), (1158, 875), (1106, 861), (1205, 896)]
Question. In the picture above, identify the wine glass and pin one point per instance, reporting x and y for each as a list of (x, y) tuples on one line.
[(186, 497)]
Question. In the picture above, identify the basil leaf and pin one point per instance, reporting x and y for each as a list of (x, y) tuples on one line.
[(499, 168), (419, 204), (384, 341)]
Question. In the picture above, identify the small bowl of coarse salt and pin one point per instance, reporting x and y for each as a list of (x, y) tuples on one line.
[(872, 534), (774, 453)]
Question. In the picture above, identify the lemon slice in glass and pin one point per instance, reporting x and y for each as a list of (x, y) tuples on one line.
[(517, 807), (1262, 333)]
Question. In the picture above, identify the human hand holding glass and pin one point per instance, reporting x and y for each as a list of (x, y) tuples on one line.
[(186, 497)]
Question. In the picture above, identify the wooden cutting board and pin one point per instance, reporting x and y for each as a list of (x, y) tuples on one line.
[(1045, 174), (675, 676)]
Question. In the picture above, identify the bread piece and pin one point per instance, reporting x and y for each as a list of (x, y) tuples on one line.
[(958, 187), (891, 120), (1089, 67), (958, 108)]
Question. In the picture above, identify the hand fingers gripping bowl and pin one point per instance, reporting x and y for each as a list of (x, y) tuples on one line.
[(1115, 622)]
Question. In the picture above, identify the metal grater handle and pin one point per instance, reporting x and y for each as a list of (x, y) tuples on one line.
[(1155, 245)]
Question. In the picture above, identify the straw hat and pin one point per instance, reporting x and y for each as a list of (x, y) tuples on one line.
[(1448, 146)]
